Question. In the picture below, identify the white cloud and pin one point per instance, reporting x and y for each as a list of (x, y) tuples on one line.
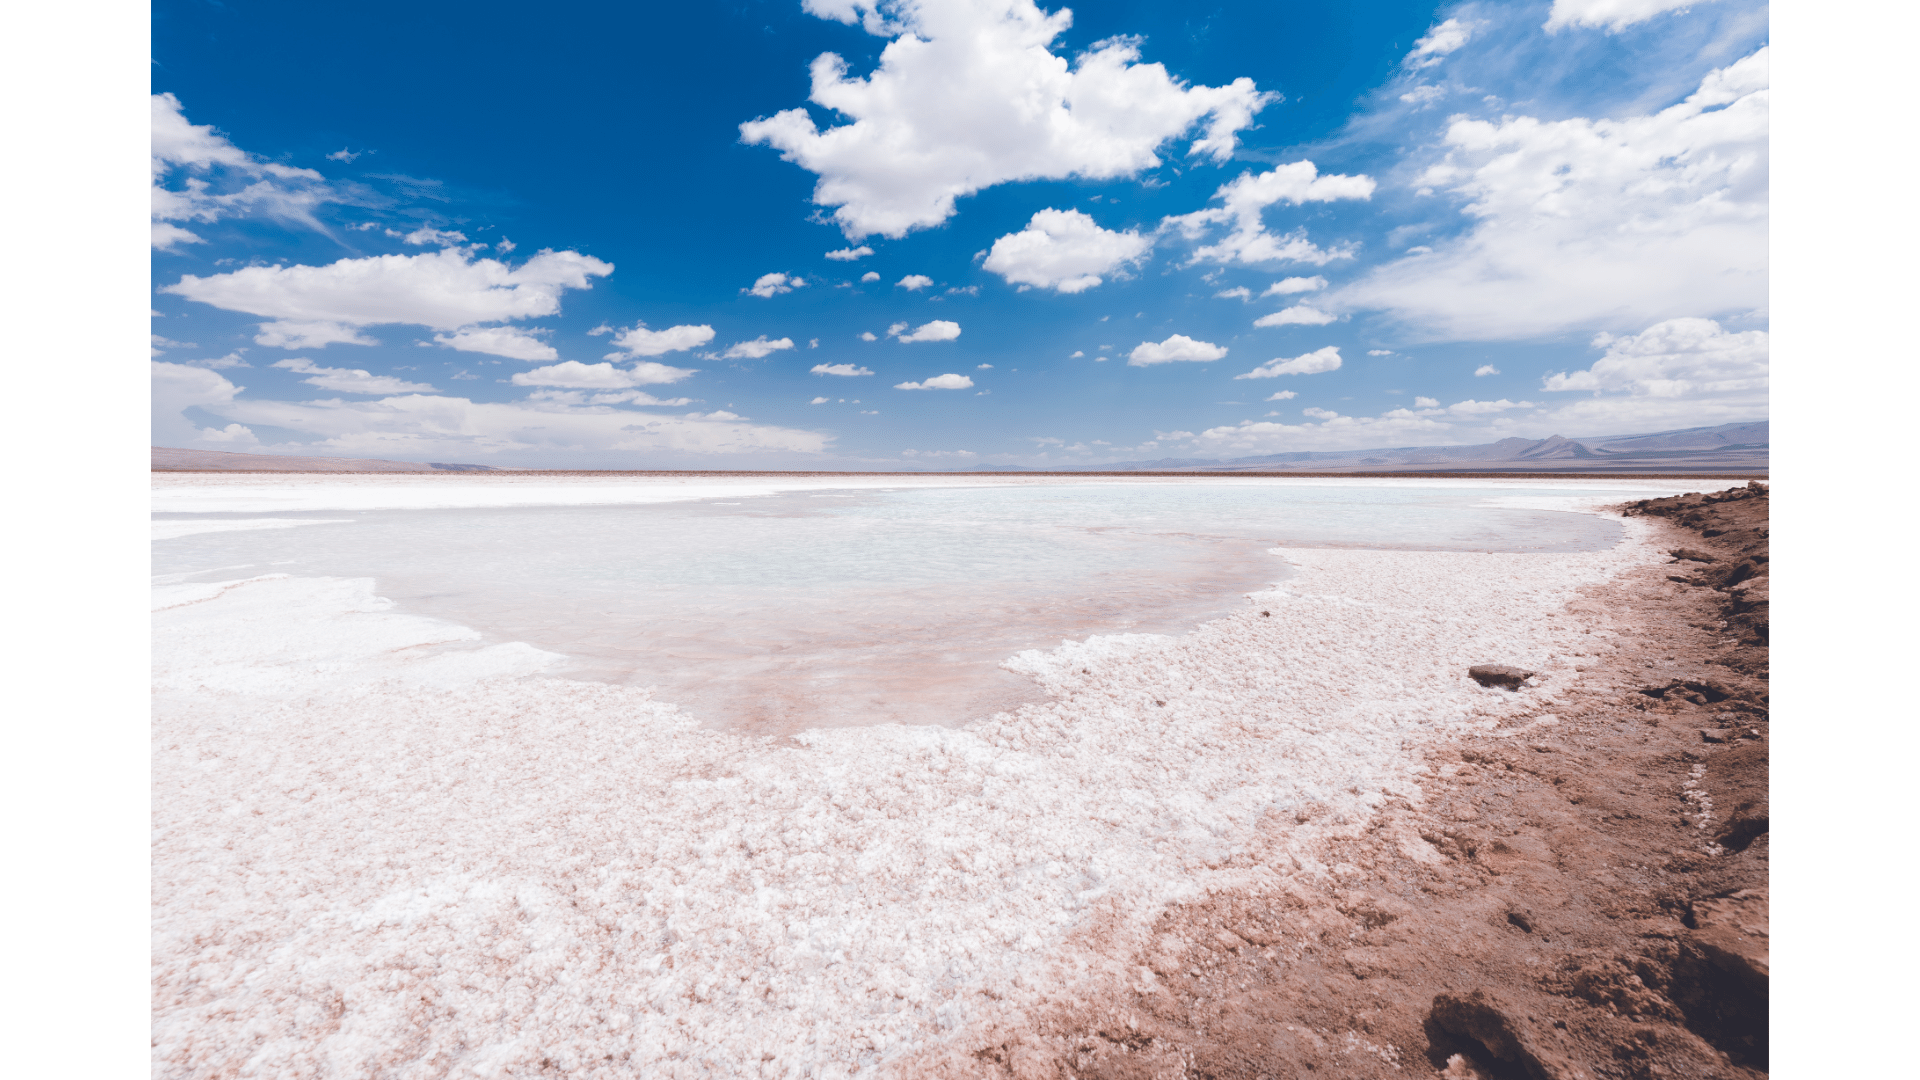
[(351, 380), (840, 369), (1585, 223), (849, 254), (1064, 250), (1284, 395), (176, 388), (895, 329), (344, 155), (1379, 352), (157, 344), (1244, 202), (868, 335), (969, 95), (755, 349), (1681, 360), (218, 179), (1471, 407), (1292, 285), (913, 282), (1238, 292), (1313, 363), (1334, 432), (1177, 348), (231, 360), (508, 341), (869, 276), (767, 286), (444, 290), (818, 401), (983, 367), (293, 334), (1299, 314), (1440, 41), (1425, 403), (1615, 15), (938, 382), (572, 374), (937, 330), (1420, 95), (1485, 369), (616, 397), (426, 234), (442, 428), (640, 341)]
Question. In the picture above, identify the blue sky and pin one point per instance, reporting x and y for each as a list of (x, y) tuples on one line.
[(604, 236)]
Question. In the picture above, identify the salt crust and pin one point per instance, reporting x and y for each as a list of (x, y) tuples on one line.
[(382, 851), (174, 528)]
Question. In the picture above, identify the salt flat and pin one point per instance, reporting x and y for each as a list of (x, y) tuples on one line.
[(385, 845)]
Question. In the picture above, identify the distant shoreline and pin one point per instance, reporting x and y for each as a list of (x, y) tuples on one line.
[(1559, 474)]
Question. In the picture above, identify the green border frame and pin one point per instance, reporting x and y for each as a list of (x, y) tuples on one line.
[(77, 750)]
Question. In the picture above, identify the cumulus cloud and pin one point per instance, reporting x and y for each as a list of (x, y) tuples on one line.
[(818, 401), (1292, 285), (448, 289), (1297, 315), (1283, 395), (767, 286), (231, 360), (640, 341), (421, 426), (1334, 432), (177, 388), (1426, 403), (1238, 292), (1485, 369), (937, 330), (913, 282), (1677, 359), (1379, 352), (1471, 407), (1177, 348), (969, 95), (1615, 15), (868, 335), (1064, 250), (869, 276), (212, 179), (1440, 41), (938, 382), (755, 349), (1313, 363), (840, 369), (849, 254), (508, 341), (574, 375), (1243, 206), (1586, 223), (350, 380), (426, 235)]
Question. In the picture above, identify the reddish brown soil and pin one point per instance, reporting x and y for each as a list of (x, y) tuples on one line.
[(1590, 899)]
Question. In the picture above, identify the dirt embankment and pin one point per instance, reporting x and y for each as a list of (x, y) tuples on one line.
[(1580, 895)]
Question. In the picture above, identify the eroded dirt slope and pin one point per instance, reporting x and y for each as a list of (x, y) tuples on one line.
[(1582, 894)]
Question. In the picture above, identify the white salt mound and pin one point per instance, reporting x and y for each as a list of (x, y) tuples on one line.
[(382, 850)]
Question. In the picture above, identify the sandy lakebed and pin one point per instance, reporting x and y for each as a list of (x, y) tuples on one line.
[(1297, 840)]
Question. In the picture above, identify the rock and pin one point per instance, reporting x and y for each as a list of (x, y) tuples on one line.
[(1690, 555), (1732, 931), (1502, 675), (1503, 1032), (1712, 736)]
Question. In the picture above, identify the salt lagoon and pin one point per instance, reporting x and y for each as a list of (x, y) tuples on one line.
[(458, 776)]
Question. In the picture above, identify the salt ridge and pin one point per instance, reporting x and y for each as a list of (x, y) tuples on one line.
[(382, 850)]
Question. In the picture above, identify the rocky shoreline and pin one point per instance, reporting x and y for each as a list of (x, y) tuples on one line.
[(1581, 894)]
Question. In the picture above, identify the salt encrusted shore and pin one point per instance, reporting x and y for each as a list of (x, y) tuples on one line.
[(381, 850)]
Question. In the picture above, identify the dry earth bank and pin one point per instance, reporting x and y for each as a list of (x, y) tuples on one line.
[(1581, 894)]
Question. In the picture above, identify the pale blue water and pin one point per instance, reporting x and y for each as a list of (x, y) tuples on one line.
[(779, 613)]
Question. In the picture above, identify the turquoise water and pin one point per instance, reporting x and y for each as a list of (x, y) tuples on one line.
[(777, 613)]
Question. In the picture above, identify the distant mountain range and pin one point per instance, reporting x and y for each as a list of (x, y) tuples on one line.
[(1728, 448)]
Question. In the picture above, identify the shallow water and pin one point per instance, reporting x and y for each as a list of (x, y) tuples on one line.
[(773, 614)]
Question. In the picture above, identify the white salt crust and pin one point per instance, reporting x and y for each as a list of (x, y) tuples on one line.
[(382, 851)]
